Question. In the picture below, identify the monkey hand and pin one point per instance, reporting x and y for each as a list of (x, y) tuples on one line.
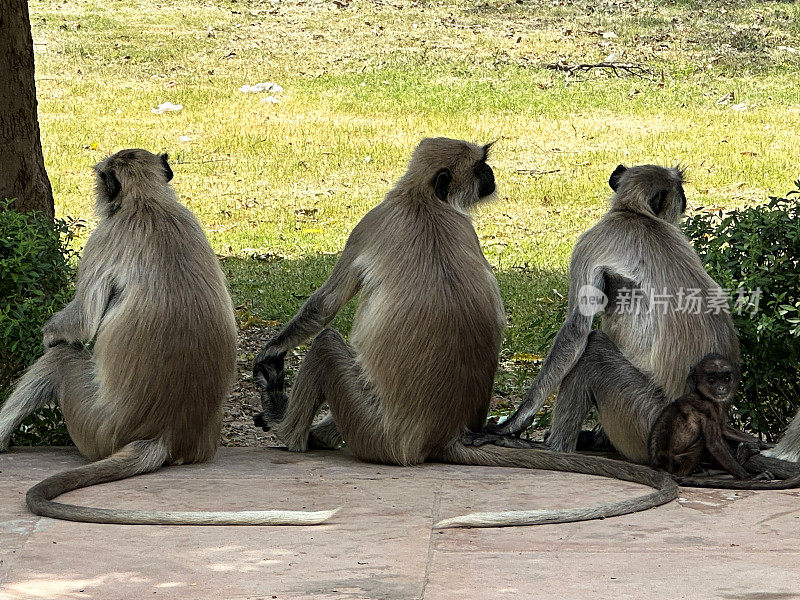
[(53, 333), (268, 370), (514, 425), (469, 438), (764, 476), (269, 373), (745, 451)]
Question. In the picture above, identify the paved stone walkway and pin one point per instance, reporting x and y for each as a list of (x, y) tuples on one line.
[(710, 544)]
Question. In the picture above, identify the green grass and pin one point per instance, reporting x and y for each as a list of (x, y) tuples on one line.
[(365, 82)]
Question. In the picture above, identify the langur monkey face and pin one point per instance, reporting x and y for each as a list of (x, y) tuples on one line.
[(715, 378), (456, 171)]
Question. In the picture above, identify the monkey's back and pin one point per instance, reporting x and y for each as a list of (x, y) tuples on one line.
[(428, 326), (165, 352), (662, 341)]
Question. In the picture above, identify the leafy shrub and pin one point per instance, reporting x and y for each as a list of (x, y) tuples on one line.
[(36, 264), (757, 249)]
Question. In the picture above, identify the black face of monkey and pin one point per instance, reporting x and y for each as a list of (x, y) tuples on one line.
[(716, 378), (482, 172), (485, 177), (455, 171)]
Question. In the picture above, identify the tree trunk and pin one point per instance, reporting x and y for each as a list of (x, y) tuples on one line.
[(22, 173)]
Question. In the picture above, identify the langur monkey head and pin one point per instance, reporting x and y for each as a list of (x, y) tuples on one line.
[(715, 378), (650, 190), (132, 175), (454, 171)]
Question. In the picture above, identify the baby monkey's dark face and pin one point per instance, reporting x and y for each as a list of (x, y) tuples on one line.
[(716, 379)]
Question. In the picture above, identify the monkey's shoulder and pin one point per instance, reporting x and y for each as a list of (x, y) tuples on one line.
[(694, 403), (620, 231)]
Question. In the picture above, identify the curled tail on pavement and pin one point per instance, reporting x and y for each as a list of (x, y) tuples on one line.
[(529, 458), (134, 459)]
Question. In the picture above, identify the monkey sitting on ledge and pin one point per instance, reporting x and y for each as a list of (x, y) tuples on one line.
[(152, 306), (695, 425)]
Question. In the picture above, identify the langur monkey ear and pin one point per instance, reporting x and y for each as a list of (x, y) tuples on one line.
[(613, 181), (165, 164), (113, 187), (441, 184), (657, 202)]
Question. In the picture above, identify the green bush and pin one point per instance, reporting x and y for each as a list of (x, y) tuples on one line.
[(756, 249), (36, 264)]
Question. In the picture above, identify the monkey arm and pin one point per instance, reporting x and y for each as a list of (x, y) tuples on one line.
[(81, 318), (568, 347), (717, 447), (734, 435), (319, 310)]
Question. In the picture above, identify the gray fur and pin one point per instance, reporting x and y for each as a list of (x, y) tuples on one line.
[(425, 341), (788, 448), (152, 295), (632, 247)]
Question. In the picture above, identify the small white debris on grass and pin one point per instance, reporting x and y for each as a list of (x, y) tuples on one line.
[(166, 107), (788, 49), (271, 100), (609, 35), (739, 107), (266, 86), (729, 97), (185, 138)]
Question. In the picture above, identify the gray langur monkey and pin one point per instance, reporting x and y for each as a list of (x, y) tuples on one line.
[(635, 255), (152, 304), (425, 342)]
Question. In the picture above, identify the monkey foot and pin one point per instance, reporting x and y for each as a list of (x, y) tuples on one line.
[(470, 438)]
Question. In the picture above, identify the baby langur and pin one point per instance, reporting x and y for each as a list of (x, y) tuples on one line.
[(143, 357), (695, 424), (425, 342)]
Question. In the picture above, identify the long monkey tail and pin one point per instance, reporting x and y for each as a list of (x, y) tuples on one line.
[(739, 484), (496, 456), (134, 459), (787, 471)]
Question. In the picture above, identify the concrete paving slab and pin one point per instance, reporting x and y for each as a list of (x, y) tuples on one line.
[(712, 544), (618, 574)]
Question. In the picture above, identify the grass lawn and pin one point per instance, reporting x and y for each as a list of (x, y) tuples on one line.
[(278, 186)]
